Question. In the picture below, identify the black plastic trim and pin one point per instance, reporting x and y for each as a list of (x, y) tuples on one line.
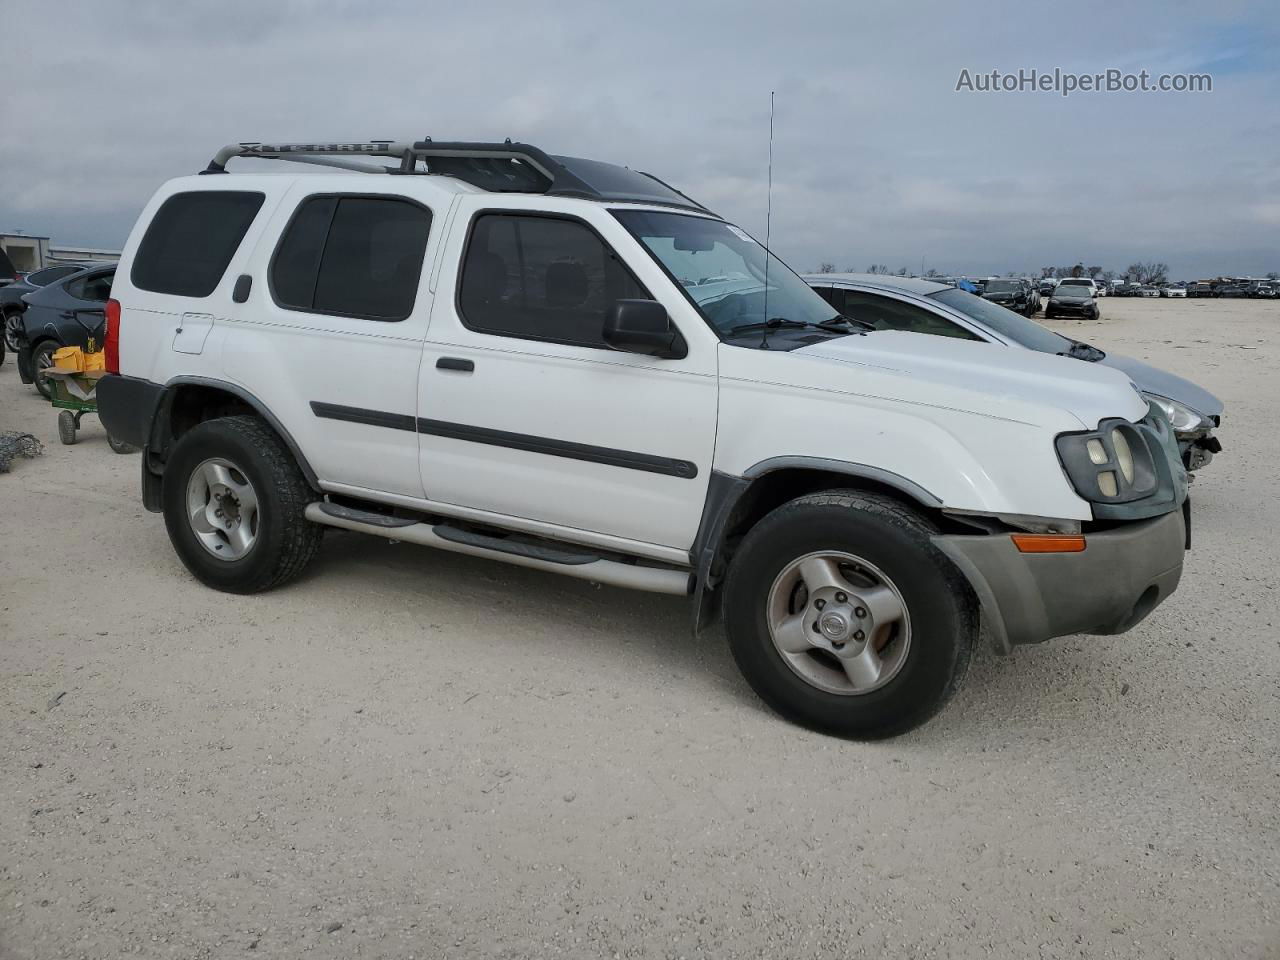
[(547, 552), (259, 408), (127, 406), (455, 363), (373, 418), (561, 448), (865, 471)]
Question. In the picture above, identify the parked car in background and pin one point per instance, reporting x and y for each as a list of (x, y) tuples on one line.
[(1045, 287), (1233, 290), (66, 313), (1079, 282), (1173, 290), (11, 295), (1201, 289), (919, 306), (1266, 291), (1148, 291), (1072, 300), (1017, 295)]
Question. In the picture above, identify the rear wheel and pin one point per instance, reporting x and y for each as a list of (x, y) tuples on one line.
[(42, 360), (119, 446), (844, 617), (11, 322), (234, 502)]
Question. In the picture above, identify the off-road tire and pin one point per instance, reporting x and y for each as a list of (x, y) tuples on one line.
[(895, 538), (285, 541)]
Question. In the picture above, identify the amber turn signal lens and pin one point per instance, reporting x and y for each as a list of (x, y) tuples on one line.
[(1048, 543)]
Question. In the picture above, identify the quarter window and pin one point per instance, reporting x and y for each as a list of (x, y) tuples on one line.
[(541, 278), (95, 287), (191, 239), (352, 256), (890, 314)]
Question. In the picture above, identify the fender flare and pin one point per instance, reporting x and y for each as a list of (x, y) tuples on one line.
[(258, 406), (725, 492)]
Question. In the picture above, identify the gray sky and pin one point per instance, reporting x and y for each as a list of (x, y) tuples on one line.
[(876, 157)]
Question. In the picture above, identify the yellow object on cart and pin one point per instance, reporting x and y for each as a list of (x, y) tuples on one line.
[(76, 360)]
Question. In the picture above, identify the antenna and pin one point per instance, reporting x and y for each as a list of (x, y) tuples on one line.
[(768, 225)]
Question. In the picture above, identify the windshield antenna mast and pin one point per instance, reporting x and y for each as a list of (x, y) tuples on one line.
[(768, 224)]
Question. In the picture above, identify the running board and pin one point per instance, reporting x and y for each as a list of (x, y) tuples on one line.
[(568, 561)]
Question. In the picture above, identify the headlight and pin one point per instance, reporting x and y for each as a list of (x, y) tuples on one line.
[(1181, 417), (1113, 464)]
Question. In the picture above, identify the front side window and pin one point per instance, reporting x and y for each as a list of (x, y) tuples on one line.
[(541, 278), (352, 256), (191, 239), (888, 313), (722, 271)]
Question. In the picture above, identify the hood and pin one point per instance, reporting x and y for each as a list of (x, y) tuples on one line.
[(967, 375), (1163, 384)]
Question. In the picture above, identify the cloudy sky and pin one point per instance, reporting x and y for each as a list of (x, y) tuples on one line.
[(877, 158)]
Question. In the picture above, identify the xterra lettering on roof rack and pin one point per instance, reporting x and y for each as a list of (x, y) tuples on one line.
[(497, 167)]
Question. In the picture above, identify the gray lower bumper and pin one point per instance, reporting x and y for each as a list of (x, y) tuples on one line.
[(1109, 587)]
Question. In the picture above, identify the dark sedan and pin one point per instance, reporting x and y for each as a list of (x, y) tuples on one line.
[(1071, 301), (11, 294), (1018, 295), (65, 313)]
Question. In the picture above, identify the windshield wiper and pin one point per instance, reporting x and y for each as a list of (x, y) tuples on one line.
[(1080, 350), (852, 321), (780, 322)]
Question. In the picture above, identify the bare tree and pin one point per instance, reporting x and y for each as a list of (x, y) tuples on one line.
[(1047, 273), (1093, 272), (1273, 275), (931, 273), (1149, 272), (900, 272), (826, 267), (877, 268)]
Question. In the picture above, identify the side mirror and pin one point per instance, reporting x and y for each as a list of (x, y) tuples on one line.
[(643, 326)]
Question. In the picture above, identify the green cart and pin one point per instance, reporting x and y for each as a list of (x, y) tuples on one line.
[(75, 393)]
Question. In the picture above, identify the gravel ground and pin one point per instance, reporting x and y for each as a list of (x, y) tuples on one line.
[(415, 754)]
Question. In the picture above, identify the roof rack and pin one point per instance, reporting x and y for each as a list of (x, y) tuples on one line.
[(505, 167)]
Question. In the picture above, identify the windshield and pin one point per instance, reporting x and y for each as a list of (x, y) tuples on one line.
[(721, 270), (1008, 324), (1075, 283), (1072, 290), (1002, 286)]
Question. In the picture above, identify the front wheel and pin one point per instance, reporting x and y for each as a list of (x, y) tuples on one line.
[(234, 502), (844, 617), (11, 324)]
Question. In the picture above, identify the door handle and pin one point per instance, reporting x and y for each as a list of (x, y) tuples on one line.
[(455, 363)]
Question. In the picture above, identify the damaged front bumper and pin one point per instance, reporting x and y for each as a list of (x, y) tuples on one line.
[(1121, 576)]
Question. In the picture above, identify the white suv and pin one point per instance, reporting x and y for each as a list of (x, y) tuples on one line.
[(571, 366)]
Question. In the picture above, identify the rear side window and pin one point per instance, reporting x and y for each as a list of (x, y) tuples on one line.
[(95, 287), (191, 239), (352, 257), (42, 278), (541, 278)]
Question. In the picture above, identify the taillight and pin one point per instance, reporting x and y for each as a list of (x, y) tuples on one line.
[(111, 346)]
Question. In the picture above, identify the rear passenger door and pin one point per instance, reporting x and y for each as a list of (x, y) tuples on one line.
[(526, 412), (331, 333)]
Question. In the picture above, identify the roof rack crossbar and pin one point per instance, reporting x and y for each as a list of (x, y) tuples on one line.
[(501, 167)]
